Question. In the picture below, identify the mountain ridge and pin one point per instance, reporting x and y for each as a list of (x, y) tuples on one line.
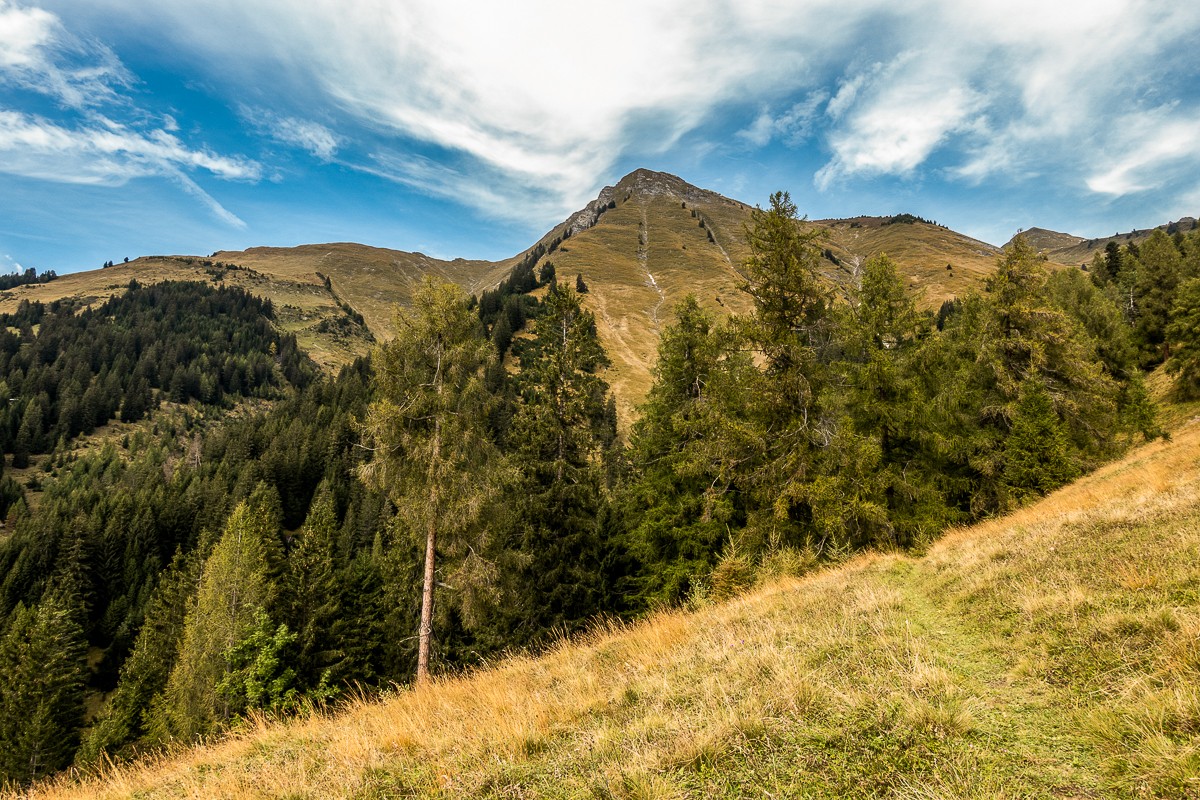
[(640, 246)]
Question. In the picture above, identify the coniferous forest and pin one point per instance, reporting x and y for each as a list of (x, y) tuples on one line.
[(199, 526)]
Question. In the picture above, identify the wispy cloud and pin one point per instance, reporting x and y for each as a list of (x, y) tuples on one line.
[(89, 143), (1155, 145), (526, 106), (794, 126), (312, 137), (107, 154), (38, 54), (894, 117)]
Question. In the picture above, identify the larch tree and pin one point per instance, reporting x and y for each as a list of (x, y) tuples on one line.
[(428, 431), (234, 589)]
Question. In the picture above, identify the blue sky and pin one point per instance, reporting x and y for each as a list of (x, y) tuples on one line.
[(468, 129)]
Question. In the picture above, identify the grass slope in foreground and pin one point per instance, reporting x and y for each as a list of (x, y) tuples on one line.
[(1052, 653)]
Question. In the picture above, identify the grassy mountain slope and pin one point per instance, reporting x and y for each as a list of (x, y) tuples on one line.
[(664, 238), (1051, 653), (642, 256), (368, 280), (1064, 248), (939, 263), (372, 280)]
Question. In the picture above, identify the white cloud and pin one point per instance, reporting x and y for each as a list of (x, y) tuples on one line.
[(542, 94), (1153, 147), (794, 126), (38, 54), (103, 154), (906, 111), (532, 93), (312, 137), (111, 155), (91, 146)]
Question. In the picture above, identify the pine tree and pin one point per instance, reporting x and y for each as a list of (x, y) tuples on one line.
[(311, 598), (793, 330), (124, 722), (990, 349), (692, 447), (558, 433), (880, 331), (1160, 269), (1183, 335), (1037, 455)]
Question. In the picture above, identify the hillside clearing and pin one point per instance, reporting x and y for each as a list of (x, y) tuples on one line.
[(1051, 653)]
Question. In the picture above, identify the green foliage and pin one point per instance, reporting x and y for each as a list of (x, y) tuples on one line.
[(689, 451), (42, 659), (124, 719), (560, 435), (1159, 270), (232, 593), (29, 276), (1037, 454), (85, 366), (796, 434), (257, 676), (990, 350), (1183, 336), (428, 428)]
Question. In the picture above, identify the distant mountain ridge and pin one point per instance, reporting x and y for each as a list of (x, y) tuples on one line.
[(1066, 248)]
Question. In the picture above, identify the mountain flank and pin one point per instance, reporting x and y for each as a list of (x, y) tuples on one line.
[(1050, 653)]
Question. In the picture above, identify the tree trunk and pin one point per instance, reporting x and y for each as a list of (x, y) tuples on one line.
[(425, 634)]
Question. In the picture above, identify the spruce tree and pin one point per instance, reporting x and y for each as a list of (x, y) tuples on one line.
[(124, 722), (1159, 271), (1037, 454), (559, 433), (690, 450), (1183, 335), (880, 331), (43, 661), (233, 589)]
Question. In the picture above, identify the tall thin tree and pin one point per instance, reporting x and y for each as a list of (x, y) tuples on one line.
[(428, 429)]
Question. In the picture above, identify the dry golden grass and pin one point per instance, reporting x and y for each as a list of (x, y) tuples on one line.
[(921, 251), (301, 302), (371, 279), (642, 258), (1052, 653)]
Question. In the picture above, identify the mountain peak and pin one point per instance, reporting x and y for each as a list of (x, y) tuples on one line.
[(649, 183)]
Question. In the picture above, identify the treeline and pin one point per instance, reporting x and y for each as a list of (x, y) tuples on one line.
[(29, 276), (1156, 284), (65, 370), (112, 561), (465, 492)]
